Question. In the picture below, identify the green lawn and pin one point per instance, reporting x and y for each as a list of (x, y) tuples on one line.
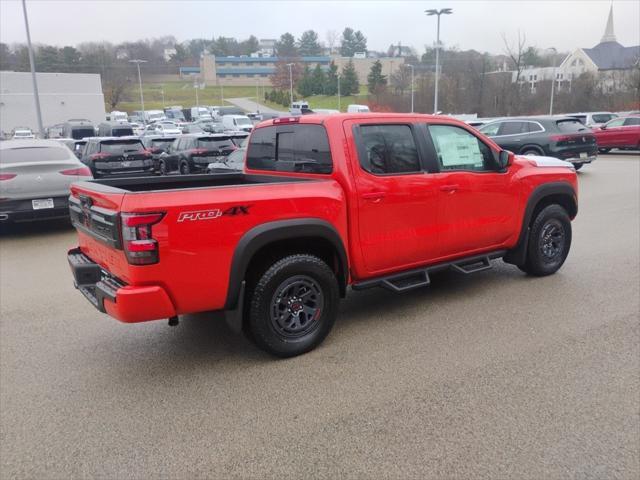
[(183, 93), (180, 93)]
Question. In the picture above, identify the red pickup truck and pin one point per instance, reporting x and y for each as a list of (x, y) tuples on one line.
[(325, 202)]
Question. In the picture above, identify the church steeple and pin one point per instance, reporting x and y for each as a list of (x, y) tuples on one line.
[(609, 36)]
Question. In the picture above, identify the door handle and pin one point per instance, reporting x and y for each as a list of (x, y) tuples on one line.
[(449, 188), (375, 197)]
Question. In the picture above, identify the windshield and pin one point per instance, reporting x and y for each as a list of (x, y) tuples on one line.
[(243, 121), (571, 126), (82, 132), (121, 132), (215, 144), (603, 117), (153, 116), (120, 147), (162, 143), (33, 154)]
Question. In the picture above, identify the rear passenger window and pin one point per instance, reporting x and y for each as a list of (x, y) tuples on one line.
[(290, 148), (388, 149), (513, 128), (458, 149), (631, 121)]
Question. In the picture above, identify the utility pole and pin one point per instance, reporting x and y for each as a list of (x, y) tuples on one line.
[(138, 62), (339, 106), (553, 80), (32, 63), (431, 12), (413, 68), (290, 65)]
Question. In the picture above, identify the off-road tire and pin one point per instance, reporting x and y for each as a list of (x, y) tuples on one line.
[(267, 294), (549, 241)]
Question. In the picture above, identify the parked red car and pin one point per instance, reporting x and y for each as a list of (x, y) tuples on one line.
[(622, 132), (325, 202)]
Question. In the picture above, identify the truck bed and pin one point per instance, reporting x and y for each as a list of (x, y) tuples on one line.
[(183, 182)]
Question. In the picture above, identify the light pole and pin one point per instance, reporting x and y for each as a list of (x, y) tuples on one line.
[(257, 97), (221, 94), (196, 85), (162, 92), (32, 63), (413, 69), (290, 65), (553, 80), (431, 12), (138, 62), (339, 105)]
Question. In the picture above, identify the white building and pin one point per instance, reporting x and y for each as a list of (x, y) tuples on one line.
[(609, 60), (62, 96)]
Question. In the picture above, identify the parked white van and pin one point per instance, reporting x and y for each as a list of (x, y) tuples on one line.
[(297, 108), (353, 108), (237, 122), (116, 116)]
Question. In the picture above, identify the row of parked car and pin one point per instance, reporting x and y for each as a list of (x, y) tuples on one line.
[(565, 137)]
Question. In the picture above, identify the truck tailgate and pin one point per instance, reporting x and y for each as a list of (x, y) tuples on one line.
[(94, 214)]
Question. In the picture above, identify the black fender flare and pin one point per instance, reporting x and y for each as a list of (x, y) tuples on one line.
[(517, 255), (261, 235)]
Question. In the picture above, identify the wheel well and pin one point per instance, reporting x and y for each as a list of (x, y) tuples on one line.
[(565, 201), (532, 147), (317, 246)]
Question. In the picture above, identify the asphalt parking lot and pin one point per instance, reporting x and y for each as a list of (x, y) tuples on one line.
[(494, 375)]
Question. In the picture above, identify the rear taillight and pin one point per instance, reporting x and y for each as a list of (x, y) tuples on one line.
[(98, 156), (198, 151), (139, 245), (560, 138), (7, 176), (80, 172)]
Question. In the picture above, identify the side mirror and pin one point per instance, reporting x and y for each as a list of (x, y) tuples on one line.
[(603, 127), (505, 159)]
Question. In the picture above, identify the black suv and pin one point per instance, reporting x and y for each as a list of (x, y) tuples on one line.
[(565, 138), (192, 153), (158, 146), (121, 156)]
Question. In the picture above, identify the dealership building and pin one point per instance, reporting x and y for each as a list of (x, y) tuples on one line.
[(62, 96)]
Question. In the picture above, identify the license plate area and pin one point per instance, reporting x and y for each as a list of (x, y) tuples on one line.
[(42, 203), (584, 155)]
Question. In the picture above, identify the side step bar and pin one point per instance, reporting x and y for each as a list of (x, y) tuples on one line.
[(419, 277)]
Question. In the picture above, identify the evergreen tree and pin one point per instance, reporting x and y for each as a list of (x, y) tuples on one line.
[(309, 45), (349, 84), (286, 46), (305, 86), (352, 42), (376, 81), (318, 80), (331, 82)]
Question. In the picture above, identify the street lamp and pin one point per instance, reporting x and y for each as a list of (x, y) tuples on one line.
[(413, 69), (339, 105), (32, 63), (138, 62), (431, 12), (290, 65), (553, 80)]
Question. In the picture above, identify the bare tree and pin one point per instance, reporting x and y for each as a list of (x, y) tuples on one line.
[(516, 53), (332, 37), (116, 85)]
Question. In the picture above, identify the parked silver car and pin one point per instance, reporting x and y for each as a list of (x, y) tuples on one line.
[(35, 176)]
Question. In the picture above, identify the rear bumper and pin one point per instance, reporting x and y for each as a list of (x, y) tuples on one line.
[(587, 159), (22, 210), (126, 303)]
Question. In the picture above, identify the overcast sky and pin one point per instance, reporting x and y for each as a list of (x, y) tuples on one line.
[(474, 24)]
